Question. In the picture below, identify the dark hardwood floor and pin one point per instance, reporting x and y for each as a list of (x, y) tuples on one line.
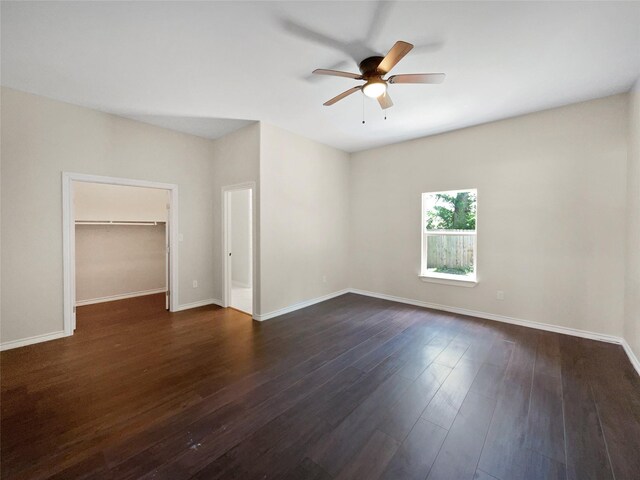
[(354, 387)]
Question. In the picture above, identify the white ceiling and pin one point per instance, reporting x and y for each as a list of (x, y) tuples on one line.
[(189, 66), (203, 127)]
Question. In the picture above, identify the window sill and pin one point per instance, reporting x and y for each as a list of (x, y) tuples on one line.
[(445, 279)]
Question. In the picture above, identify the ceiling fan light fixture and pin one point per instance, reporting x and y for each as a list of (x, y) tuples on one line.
[(372, 69), (374, 88)]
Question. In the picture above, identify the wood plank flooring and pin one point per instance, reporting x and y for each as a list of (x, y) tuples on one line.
[(351, 388)]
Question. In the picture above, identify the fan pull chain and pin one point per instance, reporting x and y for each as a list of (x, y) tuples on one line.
[(363, 109)]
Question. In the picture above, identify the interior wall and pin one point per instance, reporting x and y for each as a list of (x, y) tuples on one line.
[(40, 139), (236, 160), (551, 215), (241, 237), (632, 292), (304, 219), (552, 195), (117, 260), (105, 202)]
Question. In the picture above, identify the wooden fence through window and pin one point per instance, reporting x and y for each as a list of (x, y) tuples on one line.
[(446, 249)]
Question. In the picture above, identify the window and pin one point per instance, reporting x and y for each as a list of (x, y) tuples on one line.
[(449, 239)]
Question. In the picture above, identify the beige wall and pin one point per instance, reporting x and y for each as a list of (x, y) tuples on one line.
[(304, 203), (104, 202), (551, 215), (115, 260), (241, 263), (552, 186), (632, 293), (236, 160), (40, 139)]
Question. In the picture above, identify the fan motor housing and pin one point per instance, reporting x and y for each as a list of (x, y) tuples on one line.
[(369, 66)]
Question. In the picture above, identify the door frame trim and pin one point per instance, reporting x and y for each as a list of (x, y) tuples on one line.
[(68, 238)]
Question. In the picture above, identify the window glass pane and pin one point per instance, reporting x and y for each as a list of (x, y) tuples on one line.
[(451, 210), (450, 232), (451, 254)]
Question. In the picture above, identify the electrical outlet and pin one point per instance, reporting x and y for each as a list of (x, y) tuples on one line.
[(500, 295), (324, 279), (180, 237), (195, 284)]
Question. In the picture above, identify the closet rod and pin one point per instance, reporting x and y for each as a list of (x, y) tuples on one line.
[(110, 222)]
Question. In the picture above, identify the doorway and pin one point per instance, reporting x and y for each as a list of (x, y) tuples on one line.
[(238, 251), (119, 238)]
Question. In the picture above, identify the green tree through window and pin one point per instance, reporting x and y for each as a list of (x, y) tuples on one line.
[(452, 212)]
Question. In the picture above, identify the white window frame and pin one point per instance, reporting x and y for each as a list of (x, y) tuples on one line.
[(447, 278)]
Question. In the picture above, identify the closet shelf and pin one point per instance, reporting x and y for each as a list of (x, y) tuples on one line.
[(115, 222)]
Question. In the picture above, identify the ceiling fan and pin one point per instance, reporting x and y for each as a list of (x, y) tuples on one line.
[(372, 71)]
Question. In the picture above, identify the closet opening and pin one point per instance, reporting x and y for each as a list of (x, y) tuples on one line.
[(119, 254)]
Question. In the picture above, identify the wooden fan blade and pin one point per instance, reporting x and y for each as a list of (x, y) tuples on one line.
[(337, 73), (417, 78), (385, 101), (397, 52), (341, 96)]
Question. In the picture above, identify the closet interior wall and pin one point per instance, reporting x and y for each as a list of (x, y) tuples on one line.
[(121, 241)]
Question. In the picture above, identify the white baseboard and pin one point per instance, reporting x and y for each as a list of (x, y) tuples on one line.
[(123, 296), (23, 342), (632, 356), (298, 306), (492, 316), (307, 303), (515, 321), (201, 303), (55, 335)]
